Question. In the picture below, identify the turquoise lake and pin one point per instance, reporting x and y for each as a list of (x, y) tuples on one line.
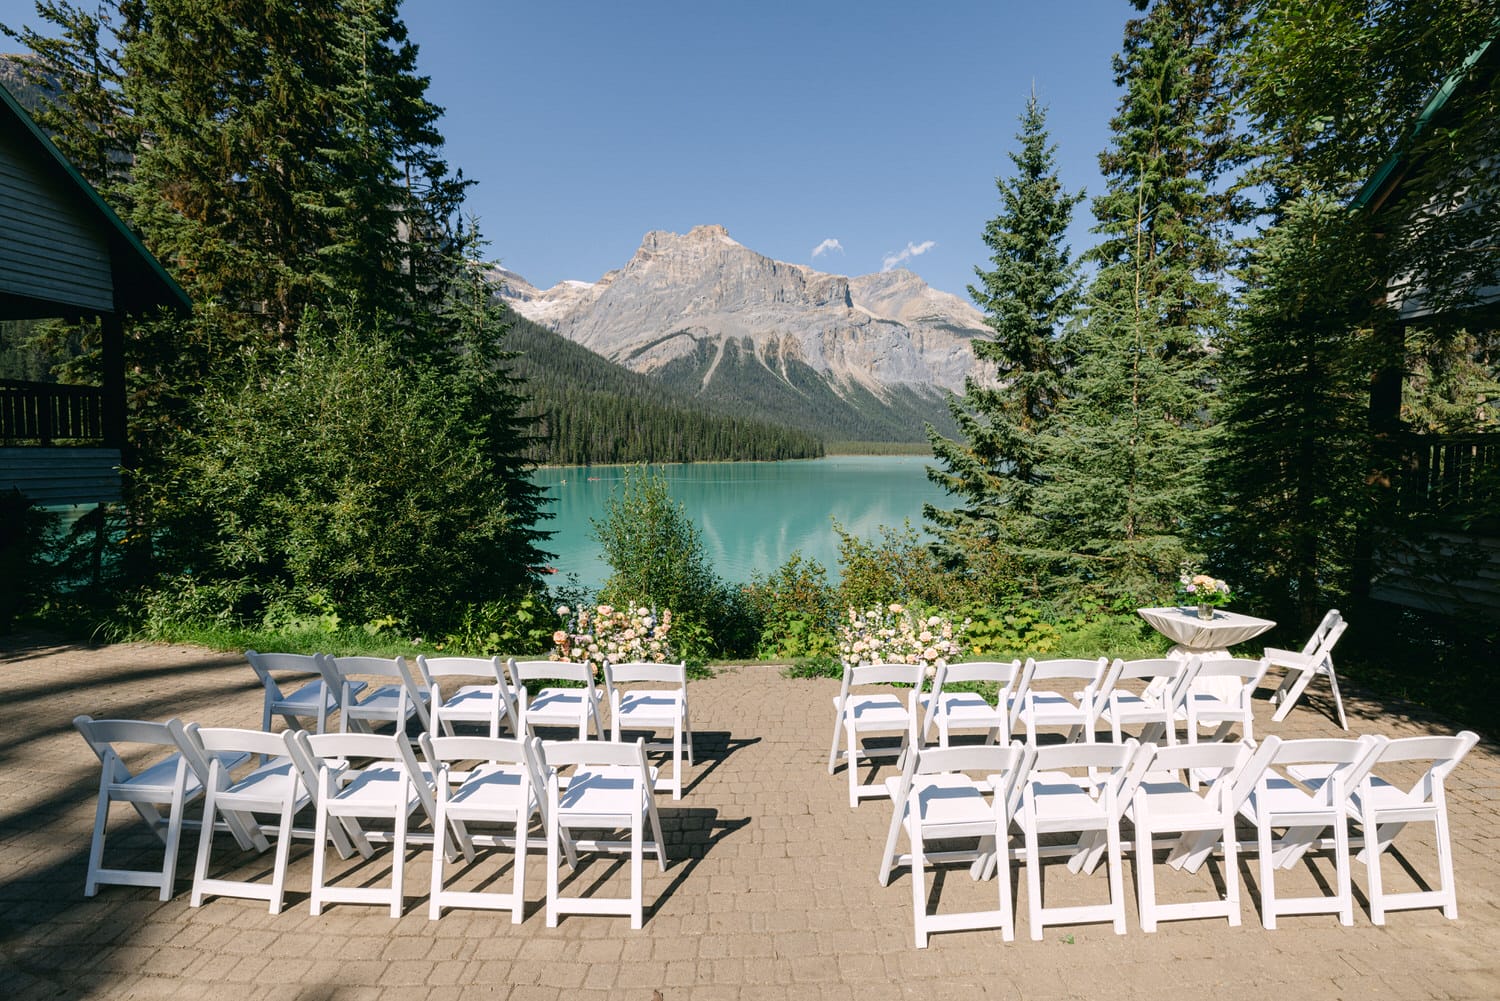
[(752, 515)]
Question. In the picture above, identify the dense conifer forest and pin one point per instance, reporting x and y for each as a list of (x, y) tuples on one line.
[(591, 410)]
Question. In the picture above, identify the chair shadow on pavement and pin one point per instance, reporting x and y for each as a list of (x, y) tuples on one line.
[(711, 748)]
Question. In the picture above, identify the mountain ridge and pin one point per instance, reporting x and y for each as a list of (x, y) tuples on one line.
[(710, 316)]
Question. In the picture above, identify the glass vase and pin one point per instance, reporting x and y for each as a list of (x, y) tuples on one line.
[(1205, 611)]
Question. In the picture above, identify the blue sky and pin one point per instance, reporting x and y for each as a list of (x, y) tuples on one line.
[(878, 125)]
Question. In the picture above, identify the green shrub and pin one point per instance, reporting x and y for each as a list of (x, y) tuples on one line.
[(342, 483), (899, 567), (27, 535), (518, 628), (656, 556), (797, 610)]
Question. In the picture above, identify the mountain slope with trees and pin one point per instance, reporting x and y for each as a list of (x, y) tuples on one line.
[(590, 410)]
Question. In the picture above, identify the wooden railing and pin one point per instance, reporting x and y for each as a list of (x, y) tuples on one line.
[(44, 413), (1449, 474)]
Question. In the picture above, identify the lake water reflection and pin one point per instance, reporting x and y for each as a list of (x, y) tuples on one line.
[(753, 515)]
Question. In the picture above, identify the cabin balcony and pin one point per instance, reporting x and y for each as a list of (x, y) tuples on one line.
[(1445, 557), (56, 447)]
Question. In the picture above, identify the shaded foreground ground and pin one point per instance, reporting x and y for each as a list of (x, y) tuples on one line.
[(770, 893)]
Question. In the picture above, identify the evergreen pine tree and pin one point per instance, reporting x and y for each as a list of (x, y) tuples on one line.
[(293, 173), (1030, 289), (1293, 446), (1129, 442)]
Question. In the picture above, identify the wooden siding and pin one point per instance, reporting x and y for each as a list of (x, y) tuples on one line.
[(1444, 572), (52, 476), (51, 249)]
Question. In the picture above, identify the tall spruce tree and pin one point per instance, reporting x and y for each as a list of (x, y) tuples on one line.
[(1334, 90), (1294, 448), (1028, 292), (1129, 443), (284, 163)]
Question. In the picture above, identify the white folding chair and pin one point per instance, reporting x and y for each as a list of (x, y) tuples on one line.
[(576, 706), (491, 704), (1157, 706), (885, 712), (935, 798), (653, 709), (951, 710), (1052, 697), (1077, 788), (1221, 693), (396, 697), (610, 789), (1303, 808), (173, 781), (273, 786), (390, 785), (1314, 659), (313, 701), (503, 787), (1384, 805), (1168, 801)]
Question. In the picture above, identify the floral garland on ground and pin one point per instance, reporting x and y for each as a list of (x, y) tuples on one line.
[(895, 635), (606, 634)]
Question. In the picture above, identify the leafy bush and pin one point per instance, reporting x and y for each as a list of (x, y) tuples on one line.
[(797, 610), (26, 547), (896, 567), (510, 628), (343, 483), (657, 558)]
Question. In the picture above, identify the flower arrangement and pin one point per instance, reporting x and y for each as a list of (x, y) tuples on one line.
[(894, 635), (616, 636), (1201, 589)]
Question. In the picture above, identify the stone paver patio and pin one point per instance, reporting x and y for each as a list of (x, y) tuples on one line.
[(771, 891)]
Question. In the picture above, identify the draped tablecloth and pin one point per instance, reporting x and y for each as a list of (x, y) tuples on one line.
[(1203, 636), (1207, 638)]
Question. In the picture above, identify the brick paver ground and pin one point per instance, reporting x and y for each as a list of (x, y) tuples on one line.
[(771, 890)]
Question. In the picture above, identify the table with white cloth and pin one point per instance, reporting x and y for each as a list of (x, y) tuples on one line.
[(1206, 638)]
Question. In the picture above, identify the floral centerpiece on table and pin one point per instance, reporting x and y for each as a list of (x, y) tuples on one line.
[(1202, 590), (892, 634), (613, 635)]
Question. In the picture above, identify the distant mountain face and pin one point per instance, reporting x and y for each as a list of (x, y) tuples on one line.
[(868, 357)]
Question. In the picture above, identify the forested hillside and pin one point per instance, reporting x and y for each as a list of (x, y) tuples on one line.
[(797, 394), (593, 411)]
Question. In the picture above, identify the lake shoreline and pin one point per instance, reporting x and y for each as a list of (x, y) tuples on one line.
[(751, 516)]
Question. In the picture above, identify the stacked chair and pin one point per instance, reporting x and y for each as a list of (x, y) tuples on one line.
[(396, 757)]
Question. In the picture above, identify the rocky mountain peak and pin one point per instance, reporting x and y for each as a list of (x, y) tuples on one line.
[(683, 293)]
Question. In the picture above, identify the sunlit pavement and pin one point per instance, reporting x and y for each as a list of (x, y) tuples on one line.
[(771, 890)]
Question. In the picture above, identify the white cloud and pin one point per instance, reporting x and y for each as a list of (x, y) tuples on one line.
[(827, 245), (912, 250)]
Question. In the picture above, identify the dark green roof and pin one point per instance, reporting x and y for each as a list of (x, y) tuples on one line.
[(141, 283), (1389, 172)]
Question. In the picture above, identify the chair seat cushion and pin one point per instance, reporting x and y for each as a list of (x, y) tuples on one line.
[(493, 790), (603, 791), (472, 702), (649, 707)]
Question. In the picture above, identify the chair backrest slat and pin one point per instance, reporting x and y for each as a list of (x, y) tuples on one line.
[(550, 670), (219, 739), (667, 674), (886, 674), (562, 753)]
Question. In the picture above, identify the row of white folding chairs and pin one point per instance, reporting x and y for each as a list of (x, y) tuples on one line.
[(350, 778), (1184, 799), (1079, 695), (524, 694)]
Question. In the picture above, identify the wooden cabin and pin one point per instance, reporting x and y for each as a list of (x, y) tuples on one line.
[(65, 254), (1445, 496)]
